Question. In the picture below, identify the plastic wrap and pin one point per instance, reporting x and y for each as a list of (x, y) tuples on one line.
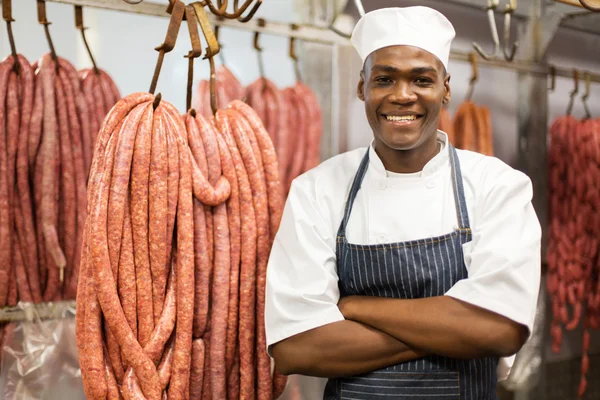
[(39, 356)]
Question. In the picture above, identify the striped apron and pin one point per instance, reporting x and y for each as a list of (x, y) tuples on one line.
[(415, 269)]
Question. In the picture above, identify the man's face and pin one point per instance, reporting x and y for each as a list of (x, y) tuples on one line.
[(403, 88)]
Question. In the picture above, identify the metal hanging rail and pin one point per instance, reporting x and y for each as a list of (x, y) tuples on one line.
[(311, 34)]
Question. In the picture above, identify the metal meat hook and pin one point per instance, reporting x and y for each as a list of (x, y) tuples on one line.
[(510, 8), (585, 96), (574, 92), (491, 7)]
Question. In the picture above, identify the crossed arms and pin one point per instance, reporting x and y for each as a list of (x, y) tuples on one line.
[(379, 332)]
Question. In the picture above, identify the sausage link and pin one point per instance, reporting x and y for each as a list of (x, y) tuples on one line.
[(24, 211), (68, 200), (139, 221), (106, 287), (12, 289), (274, 184), (116, 96), (99, 107), (158, 209), (185, 275), (112, 388), (35, 133), (197, 372), (206, 382), (162, 332), (277, 116), (106, 91), (126, 276), (23, 289), (83, 113), (13, 117), (5, 226), (220, 303), (202, 271), (315, 130), (172, 194), (118, 195), (247, 290), (87, 86), (240, 129), (166, 363), (233, 382), (75, 131), (50, 148), (233, 213), (303, 133)]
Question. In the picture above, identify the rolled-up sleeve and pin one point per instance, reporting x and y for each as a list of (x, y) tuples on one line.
[(503, 259), (302, 282)]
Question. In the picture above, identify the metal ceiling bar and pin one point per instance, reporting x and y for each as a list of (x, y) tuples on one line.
[(33, 312), (309, 34)]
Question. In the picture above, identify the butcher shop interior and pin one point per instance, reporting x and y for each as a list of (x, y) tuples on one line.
[(168, 174)]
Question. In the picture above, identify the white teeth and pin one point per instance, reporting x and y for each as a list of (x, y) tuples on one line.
[(401, 118)]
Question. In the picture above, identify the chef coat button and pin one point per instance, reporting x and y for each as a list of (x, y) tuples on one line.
[(382, 186), (430, 185), (381, 239)]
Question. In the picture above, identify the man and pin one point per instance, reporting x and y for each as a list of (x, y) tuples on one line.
[(408, 270)]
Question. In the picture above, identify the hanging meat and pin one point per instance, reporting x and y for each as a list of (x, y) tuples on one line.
[(228, 88), (294, 121), (46, 153), (101, 94), (574, 231), (445, 124), (473, 128), (187, 316)]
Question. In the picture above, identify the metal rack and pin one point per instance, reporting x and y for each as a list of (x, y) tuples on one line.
[(31, 312), (311, 34)]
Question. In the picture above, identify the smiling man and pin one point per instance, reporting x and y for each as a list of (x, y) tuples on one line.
[(410, 269)]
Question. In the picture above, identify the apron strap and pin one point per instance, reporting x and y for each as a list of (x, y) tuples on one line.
[(459, 191), (457, 184), (358, 178)]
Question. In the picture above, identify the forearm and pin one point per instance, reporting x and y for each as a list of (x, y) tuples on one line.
[(440, 325), (343, 348)]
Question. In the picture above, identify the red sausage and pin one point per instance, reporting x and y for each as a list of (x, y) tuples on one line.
[(158, 209), (247, 290), (80, 179), (240, 129), (185, 275), (107, 292), (274, 184), (139, 221), (5, 228), (197, 372)]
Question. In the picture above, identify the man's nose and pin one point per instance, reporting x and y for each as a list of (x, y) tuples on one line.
[(403, 93)]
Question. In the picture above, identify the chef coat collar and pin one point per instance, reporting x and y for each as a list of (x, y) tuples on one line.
[(434, 165)]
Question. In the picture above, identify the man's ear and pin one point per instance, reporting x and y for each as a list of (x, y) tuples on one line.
[(360, 90), (447, 91)]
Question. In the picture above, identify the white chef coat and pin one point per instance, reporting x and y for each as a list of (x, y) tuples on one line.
[(503, 259)]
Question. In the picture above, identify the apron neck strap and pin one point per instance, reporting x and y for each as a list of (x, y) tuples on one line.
[(457, 184)]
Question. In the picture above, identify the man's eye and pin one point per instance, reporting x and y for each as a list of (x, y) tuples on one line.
[(382, 79), (424, 80)]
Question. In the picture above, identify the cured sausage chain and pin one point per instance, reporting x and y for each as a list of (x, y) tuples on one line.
[(292, 117), (45, 152), (182, 215), (574, 231)]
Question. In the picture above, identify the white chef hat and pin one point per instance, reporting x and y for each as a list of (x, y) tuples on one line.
[(417, 26)]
